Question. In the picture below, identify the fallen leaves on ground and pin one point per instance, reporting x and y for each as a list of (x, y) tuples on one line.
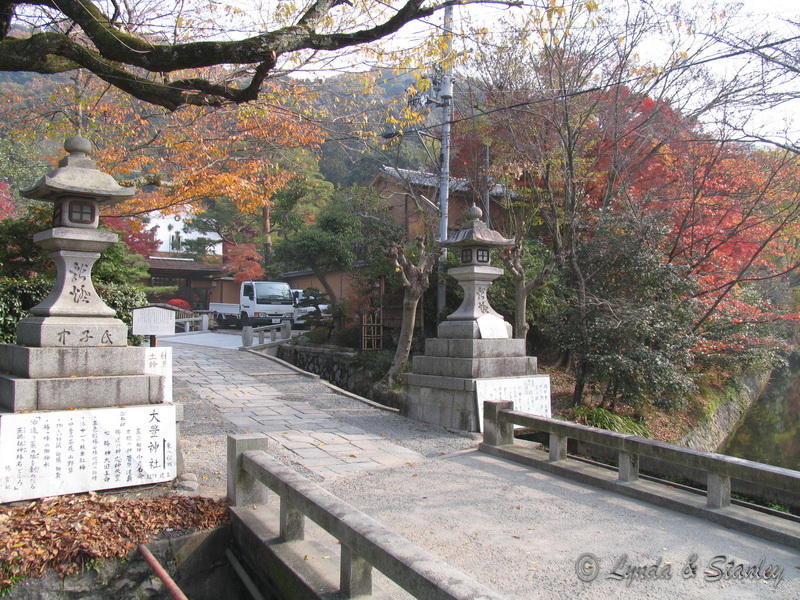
[(67, 532)]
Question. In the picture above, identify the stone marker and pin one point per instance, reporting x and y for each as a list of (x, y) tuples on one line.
[(72, 353), (474, 358)]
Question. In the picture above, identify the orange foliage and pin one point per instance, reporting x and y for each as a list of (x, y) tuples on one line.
[(189, 155), (244, 260)]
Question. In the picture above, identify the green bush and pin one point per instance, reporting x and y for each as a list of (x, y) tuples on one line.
[(19, 295), (605, 419), (160, 293), (349, 337), (319, 335), (122, 297)]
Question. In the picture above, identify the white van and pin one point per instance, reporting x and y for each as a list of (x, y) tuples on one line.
[(260, 303)]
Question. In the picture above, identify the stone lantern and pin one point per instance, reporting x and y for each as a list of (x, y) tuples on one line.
[(73, 314), (80, 410), (475, 318), (474, 357)]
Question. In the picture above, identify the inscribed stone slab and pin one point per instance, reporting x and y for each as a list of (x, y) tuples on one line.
[(529, 394), (67, 452)]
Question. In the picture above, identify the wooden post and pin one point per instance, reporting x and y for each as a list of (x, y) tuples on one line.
[(152, 341)]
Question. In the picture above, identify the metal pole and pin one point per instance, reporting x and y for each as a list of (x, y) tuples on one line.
[(162, 574), (445, 94)]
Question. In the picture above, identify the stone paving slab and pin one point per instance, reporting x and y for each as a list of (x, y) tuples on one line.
[(320, 432)]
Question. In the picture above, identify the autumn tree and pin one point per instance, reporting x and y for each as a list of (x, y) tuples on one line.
[(170, 57), (580, 127), (352, 227)]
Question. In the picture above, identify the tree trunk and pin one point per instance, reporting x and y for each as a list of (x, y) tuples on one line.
[(266, 229), (410, 301), (336, 311), (580, 383), (520, 309)]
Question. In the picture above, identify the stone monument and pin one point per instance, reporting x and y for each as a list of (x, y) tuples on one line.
[(474, 358), (80, 410)]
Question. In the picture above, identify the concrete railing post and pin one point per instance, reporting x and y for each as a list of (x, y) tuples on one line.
[(355, 575), (203, 322), (558, 447), (628, 466), (273, 335), (243, 489), (719, 490), (247, 336), (495, 432), (261, 336), (286, 330), (292, 521)]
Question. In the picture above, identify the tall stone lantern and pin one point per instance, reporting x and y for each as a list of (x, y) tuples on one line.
[(81, 410), (475, 318), (73, 314), (474, 358)]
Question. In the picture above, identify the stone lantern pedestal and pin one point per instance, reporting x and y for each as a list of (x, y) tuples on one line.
[(80, 410), (474, 356)]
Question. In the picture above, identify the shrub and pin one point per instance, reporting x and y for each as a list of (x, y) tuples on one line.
[(159, 293), (347, 336), (319, 335), (18, 296), (604, 419), (180, 303), (122, 298)]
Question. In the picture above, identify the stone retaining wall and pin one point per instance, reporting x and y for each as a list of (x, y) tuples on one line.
[(336, 365), (710, 434)]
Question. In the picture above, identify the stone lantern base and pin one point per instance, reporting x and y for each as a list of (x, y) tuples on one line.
[(449, 383)]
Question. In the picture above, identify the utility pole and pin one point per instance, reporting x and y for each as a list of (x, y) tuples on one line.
[(445, 95), (485, 185)]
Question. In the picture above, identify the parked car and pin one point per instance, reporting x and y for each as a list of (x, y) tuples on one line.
[(307, 309)]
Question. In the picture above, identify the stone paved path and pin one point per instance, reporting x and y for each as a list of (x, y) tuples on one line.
[(319, 431)]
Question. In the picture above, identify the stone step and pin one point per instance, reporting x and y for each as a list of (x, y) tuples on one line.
[(19, 394), (469, 348), (38, 363), (474, 368)]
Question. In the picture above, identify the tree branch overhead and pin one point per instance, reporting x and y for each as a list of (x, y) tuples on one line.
[(82, 35)]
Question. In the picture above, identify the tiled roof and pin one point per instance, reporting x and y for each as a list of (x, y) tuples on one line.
[(431, 180), (180, 264)]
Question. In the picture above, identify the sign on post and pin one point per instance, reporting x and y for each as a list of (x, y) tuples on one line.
[(151, 320)]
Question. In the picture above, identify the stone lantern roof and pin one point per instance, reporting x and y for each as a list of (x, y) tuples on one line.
[(77, 174), (476, 233)]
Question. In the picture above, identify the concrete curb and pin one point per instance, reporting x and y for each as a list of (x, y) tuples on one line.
[(325, 382), (282, 363)]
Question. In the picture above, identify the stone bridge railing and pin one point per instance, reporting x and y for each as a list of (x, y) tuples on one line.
[(365, 543), (248, 333), (498, 439)]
